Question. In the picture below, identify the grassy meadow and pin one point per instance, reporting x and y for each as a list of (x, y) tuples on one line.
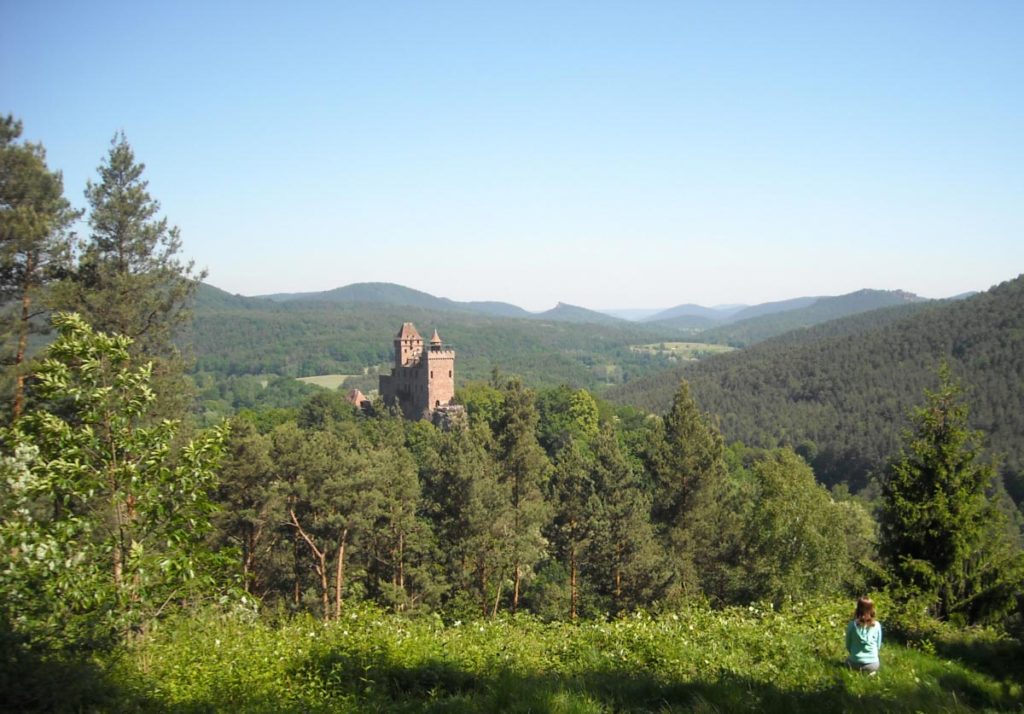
[(327, 381), (684, 351), (700, 660)]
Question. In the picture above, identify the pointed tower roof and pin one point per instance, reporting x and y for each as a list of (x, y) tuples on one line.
[(408, 332), (436, 339)]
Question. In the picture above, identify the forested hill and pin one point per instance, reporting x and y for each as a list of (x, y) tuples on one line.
[(752, 330), (572, 313), (233, 335), (392, 294), (842, 390)]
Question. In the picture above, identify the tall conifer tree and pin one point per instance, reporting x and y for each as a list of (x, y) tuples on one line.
[(525, 469), (574, 524), (34, 240), (691, 475), (628, 565), (131, 279), (941, 535)]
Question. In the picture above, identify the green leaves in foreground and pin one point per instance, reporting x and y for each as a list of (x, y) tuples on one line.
[(102, 518)]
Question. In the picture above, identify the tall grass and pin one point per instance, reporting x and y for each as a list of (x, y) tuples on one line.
[(740, 659)]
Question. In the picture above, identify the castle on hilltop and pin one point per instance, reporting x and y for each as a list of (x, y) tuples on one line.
[(422, 382)]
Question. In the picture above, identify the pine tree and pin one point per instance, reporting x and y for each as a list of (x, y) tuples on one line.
[(250, 509), (525, 469), (575, 506), (691, 475), (35, 246), (941, 535), (130, 279), (628, 565)]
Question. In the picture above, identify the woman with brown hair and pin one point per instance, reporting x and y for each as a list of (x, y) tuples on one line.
[(864, 638)]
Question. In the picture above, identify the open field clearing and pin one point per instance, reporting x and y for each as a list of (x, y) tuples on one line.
[(327, 381), (683, 350)]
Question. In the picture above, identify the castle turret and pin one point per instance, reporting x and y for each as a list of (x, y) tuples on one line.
[(421, 380), (441, 374), (408, 345)]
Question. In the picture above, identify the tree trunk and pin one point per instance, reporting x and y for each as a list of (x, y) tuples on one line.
[(572, 584), (483, 590), (296, 575), (247, 557), (515, 590), (339, 575), (321, 567), (401, 565), (19, 358), (618, 576), (497, 598), (325, 601), (119, 560)]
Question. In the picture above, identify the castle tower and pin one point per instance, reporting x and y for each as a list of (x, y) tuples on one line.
[(408, 345), (422, 380), (440, 374)]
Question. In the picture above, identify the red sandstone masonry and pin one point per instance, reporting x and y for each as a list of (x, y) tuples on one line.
[(422, 379)]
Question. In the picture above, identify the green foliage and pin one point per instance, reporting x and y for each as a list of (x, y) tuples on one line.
[(250, 509), (942, 536), (746, 331), (483, 517), (483, 402), (566, 414), (690, 475), (103, 517), (794, 541), (524, 469), (234, 335), (739, 659), (35, 248), (847, 385), (575, 519), (130, 279), (627, 565)]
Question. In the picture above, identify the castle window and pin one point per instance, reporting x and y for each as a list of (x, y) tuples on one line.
[(431, 374), (449, 374)]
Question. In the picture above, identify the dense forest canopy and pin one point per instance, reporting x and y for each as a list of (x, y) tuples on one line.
[(233, 335), (841, 391)]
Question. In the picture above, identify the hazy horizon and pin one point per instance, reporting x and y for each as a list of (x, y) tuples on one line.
[(626, 313)]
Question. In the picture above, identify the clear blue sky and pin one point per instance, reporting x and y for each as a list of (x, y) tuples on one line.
[(630, 154)]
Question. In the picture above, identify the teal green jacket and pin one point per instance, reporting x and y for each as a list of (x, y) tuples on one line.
[(863, 643)]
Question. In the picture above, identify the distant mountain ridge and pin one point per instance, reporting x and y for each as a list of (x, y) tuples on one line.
[(713, 314), (399, 295), (394, 294), (563, 312), (688, 316)]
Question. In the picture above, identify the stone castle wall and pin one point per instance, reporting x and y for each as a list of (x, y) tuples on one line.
[(423, 378)]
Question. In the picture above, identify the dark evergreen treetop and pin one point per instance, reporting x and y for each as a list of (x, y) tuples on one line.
[(131, 278), (35, 246), (942, 536)]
